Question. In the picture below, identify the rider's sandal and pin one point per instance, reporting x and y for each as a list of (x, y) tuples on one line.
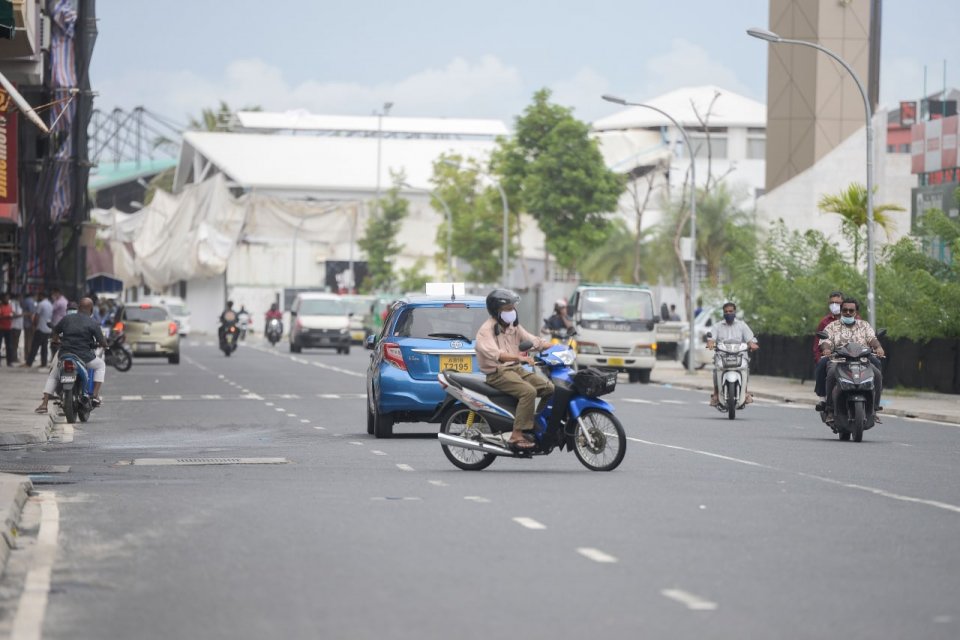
[(96, 401), (40, 409), (521, 444)]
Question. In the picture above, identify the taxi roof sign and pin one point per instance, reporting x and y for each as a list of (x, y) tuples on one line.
[(452, 289)]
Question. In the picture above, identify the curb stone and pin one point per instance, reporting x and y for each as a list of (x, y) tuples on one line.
[(14, 491)]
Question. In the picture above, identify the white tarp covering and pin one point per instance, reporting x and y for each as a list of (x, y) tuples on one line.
[(193, 234)]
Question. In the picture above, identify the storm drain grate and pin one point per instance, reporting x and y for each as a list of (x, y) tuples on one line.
[(33, 468), (166, 462)]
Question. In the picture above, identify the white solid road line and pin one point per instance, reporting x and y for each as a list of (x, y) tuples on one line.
[(131, 397), (171, 397), (945, 424), (673, 401), (329, 396), (946, 506), (479, 499), (596, 555), (212, 396), (691, 601), (637, 401), (529, 523), (28, 623), (404, 467)]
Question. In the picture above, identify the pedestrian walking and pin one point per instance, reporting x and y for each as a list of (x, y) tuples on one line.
[(59, 302), (16, 328), (29, 309), (6, 328), (43, 329)]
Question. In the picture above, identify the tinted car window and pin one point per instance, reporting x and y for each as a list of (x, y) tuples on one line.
[(421, 322), (149, 314), (322, 308)]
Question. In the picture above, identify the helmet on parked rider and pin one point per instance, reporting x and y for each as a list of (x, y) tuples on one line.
[(560, 303), (498, 299)]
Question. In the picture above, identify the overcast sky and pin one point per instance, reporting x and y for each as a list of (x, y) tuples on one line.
[(460, 59)]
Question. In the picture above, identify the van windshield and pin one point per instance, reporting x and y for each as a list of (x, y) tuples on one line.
[(624, 305), (329, 307)]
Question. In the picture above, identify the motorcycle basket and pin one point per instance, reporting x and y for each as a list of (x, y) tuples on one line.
[(593, 382)]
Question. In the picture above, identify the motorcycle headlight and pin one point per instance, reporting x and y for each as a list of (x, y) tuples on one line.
[(566, 357)]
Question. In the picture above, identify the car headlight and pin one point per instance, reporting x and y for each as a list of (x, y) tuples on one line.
[(343, 331)]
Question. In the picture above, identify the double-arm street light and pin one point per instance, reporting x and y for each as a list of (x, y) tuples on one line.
[(449, 224), (769, 36), (693, 220)]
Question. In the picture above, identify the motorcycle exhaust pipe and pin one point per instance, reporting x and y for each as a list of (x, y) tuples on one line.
[(457, 441)]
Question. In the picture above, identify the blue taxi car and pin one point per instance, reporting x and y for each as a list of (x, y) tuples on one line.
[(421, 336)]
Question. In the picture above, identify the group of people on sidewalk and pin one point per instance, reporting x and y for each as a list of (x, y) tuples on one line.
[(29, 320)]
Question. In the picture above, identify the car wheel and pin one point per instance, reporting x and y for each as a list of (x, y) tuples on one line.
[(382, 424), (295, 348), (369, 419), (174, 359), (346, 351)]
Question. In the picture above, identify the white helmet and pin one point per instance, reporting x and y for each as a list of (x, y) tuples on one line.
[(561, 302)]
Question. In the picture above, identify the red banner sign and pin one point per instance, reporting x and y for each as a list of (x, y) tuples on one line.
[(9, 208)]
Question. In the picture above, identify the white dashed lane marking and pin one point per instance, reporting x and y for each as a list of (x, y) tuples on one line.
[(529, 523), (596, 555), (378, 453), (689, 600), (404, 467), (438, 483)]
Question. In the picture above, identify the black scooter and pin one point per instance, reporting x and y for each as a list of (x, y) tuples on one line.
[(228, 338), (117, 352), (853, 390)]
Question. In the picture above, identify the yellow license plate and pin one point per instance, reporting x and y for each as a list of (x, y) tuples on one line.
[(615, 362), (461, 364)]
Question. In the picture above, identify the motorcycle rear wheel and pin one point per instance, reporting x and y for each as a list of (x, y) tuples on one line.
[(456, 425), (70, 406), (609, 441)]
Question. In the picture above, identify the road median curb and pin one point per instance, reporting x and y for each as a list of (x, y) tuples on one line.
[(14, 491)]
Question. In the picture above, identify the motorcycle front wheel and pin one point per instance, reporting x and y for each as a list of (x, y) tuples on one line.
[(460, 423), (859, 421), (731, 401), (605, 443), (122, 360)]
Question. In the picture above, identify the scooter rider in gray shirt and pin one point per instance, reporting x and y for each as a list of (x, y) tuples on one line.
[(731, 329)]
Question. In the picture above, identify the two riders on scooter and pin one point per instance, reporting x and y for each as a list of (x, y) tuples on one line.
[(78, 334), (499, 357), (849, 328)]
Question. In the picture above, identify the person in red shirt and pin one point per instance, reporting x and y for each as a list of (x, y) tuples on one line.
[(6, 328), (274, 312)]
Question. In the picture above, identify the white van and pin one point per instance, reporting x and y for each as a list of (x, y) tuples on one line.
[(319, 320), (616, 329)]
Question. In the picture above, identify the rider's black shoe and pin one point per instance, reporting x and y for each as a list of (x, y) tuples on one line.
[(821, 405)]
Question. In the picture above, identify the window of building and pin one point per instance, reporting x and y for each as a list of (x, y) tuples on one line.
[(717, 147), (891, 148), (756, 148), (905, 147)]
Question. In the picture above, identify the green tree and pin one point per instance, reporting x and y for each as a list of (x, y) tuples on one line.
[(413, 279), (851, 205), (380, 238), (477, 214), (615, 261), (553, 170)]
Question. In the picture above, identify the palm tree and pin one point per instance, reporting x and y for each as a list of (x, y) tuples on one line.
[(851, 205), (722, 227)]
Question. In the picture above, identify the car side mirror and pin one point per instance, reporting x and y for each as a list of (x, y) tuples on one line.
[(651, 324), (526, 345), (350, 315), (293, 313), (370, 342), (823, 335), (881, 333)]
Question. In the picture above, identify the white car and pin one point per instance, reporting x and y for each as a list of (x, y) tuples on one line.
[(319, 320), (178, 311)]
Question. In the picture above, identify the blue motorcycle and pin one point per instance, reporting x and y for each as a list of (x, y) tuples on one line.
[(74, 388), (477, 418)]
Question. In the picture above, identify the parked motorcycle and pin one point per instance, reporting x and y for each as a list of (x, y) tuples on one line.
[(478, 418), (854, 410), (228, 338), (274, 330), (731, 371), (117, 352), (74, 389)]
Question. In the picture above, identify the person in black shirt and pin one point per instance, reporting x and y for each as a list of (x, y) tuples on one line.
[(557, 324), (77, 333)]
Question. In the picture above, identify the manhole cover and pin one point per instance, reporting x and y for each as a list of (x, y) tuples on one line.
[(29, 469), (166, 462)]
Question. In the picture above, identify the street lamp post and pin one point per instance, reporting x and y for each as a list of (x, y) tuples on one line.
[(449, 224), (769, 36), (691, 349), (380, 114)]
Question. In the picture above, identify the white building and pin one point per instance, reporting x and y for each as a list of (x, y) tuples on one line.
[(303, 186), (637, 140)]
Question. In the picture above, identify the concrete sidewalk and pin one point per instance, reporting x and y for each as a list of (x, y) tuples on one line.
[(909, 404), (20, 392)]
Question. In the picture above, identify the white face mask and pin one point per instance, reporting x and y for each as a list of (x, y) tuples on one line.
[(509, 317), (835, 308)]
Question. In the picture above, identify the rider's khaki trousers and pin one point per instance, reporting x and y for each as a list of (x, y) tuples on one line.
[(524, 385)]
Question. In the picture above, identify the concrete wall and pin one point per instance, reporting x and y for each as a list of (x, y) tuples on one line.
[(205, 299)]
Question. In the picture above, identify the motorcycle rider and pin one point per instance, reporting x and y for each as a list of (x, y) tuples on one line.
[(227, 318), (498, 356), (559, 322), (849, 328), (820, 371), (77, 333), (730, 329), (243, 317), (273, 313)]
